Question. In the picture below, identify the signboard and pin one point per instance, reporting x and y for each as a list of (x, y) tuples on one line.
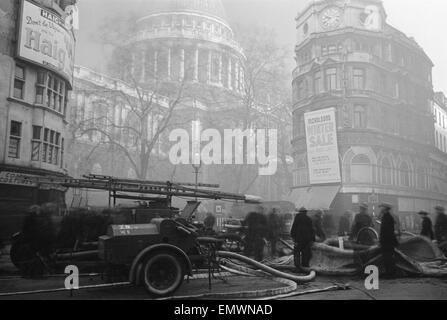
[(28, 180), (322, 147), (44, 39), (16, 179)]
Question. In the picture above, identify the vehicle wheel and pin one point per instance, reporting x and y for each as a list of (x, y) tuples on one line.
[(163, 274), (367, 236), (26, 260)]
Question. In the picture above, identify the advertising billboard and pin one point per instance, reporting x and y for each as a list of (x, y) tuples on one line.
[(322, 147), (45, 40)]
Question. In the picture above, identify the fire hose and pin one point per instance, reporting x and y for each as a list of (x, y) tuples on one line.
[(262, 267)]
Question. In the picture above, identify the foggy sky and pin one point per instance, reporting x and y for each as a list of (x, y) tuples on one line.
[(426, 21)]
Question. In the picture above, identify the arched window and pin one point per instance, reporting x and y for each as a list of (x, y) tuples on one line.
[(386, 176), (361, 169), (404, 172), (421, 178)]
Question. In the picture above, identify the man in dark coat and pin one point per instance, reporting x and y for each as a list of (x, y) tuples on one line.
[(274, 230), (318, 226), (440, 225), (303, 235), (427, 226), (388, 241), (344, 225), (361, 220), (256, 229)]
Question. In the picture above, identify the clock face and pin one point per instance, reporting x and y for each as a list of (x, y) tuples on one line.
[(331, 18)]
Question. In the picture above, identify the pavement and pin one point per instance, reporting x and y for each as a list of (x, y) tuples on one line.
[(396, 289)]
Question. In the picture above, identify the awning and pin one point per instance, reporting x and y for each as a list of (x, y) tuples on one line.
[(314, 198)]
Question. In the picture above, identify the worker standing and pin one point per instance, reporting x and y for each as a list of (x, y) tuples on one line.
[(388, 240), (344, 225), (362, 220), (274, 229), (256, 227), (209, 223), (440, 225), (427, 226), (318, 226), (303, 235)]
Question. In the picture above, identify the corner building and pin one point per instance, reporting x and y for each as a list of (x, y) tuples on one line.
[(36, 65), (380, 83)]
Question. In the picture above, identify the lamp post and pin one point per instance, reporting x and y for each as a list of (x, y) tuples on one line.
[(196, 168), (196, 159)]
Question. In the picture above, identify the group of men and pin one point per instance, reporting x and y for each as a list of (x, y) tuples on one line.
[(304, 233), (260, 228), (439, 232)]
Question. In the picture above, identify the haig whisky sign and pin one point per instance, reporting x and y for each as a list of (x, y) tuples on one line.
[(44, 39)]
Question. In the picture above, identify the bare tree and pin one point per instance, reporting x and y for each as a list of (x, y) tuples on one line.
[(265, 103), (130, 115)]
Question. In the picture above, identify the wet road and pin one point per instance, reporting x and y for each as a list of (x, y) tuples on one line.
[(399, 289)]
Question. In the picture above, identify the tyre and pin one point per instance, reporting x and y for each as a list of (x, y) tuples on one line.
[(367, 236), (162, 274)]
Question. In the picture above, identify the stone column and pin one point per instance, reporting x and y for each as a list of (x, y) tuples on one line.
[(169, 62), (220, 69), (143, 65), (196, 65), (182, 64), (155, 64), (236, 74), (209, 66), (132, 65), (230, 60)]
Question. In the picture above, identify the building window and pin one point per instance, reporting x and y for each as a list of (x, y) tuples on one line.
[(55, 93), (360, 117), (62, 152), (318, 82), (421, 178), (387, 172), (51, 146), (331, 79), (19, 82), (358, 79), (361, 170), (15, 136), (36, 143), (396, 89), (51, 91), (404, 175), (302, 89), (40, 87)]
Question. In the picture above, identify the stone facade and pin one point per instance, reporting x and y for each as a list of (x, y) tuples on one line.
[(33, 109), (379, 81)]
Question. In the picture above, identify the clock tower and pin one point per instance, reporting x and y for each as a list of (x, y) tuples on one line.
[(331, 15)]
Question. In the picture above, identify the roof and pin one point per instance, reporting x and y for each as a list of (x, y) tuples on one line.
[(213, 8)]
